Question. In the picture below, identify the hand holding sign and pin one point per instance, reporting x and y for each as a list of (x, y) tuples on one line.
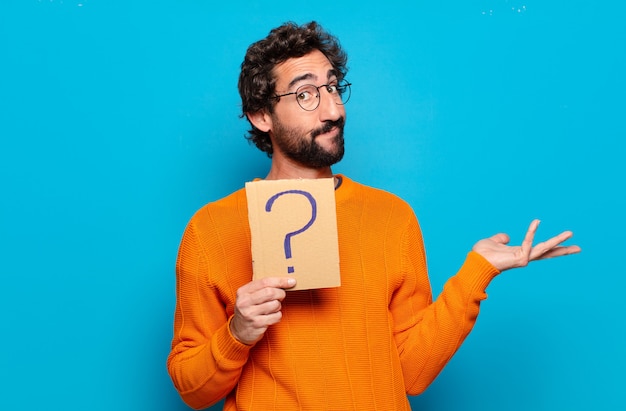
[(257, 307), (294, 220)]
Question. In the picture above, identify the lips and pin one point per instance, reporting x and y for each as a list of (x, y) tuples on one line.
[(332, 132), (330, 127)]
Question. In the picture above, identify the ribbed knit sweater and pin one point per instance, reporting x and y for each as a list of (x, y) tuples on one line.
[(362, 346)]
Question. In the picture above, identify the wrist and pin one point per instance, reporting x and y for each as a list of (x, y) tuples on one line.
[(234, 334)]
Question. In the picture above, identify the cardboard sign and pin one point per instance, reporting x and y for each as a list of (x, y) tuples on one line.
[(294, 231)]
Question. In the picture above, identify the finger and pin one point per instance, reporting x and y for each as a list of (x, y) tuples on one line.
[(265, 295), (255, 314), (270, 307), (277, 282), (559, 251), (273, 318), (271, 282), (266, 308), (544, 247), (527, 244)]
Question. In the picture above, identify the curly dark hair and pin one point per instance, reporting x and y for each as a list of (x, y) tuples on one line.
[(256, 80)]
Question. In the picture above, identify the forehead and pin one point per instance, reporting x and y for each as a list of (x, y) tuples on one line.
[(313, 67)]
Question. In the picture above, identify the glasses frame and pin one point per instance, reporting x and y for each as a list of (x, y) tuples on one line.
[(340, 84)]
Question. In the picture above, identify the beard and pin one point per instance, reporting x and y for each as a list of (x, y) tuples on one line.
[(303, 148)]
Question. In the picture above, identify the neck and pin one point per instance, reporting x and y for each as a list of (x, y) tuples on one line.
[(285, 169)]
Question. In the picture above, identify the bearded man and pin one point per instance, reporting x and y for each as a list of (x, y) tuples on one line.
[(362, 346)]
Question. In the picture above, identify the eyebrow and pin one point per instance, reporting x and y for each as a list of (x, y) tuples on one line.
[(308, 76)]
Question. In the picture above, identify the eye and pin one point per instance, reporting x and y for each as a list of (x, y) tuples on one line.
[(332, 89), (306, 93)]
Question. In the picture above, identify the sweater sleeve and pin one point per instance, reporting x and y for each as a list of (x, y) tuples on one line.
[(206, 360), (428, 333)]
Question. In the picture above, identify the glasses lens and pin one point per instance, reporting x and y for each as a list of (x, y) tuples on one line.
[(308, 97), (343, 92)]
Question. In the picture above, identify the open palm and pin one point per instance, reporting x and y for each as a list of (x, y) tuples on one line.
[(504, 257)]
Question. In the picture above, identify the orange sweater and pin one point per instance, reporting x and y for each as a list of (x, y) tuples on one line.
[(362, 346)]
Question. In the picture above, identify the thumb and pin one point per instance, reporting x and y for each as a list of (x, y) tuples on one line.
[(500, 238)]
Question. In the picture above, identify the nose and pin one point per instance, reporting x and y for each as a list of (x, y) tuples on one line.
[(329, 109)]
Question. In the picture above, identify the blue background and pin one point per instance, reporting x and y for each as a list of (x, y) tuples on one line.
[(119, 119)]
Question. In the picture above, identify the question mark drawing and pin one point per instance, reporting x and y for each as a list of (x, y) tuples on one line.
[(288, 236)]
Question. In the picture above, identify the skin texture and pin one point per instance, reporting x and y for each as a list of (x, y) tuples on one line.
[(259, 302)]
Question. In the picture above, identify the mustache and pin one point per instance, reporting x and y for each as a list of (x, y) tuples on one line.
[(328, 126)]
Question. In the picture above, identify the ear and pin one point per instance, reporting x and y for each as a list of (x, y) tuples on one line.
[(261, 120)]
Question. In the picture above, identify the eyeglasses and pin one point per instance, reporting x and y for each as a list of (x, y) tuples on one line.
[(308, 95)]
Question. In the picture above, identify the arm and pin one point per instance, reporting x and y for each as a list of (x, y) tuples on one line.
[(429, 333), (210, 348), (432, 334), (206, 360)]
